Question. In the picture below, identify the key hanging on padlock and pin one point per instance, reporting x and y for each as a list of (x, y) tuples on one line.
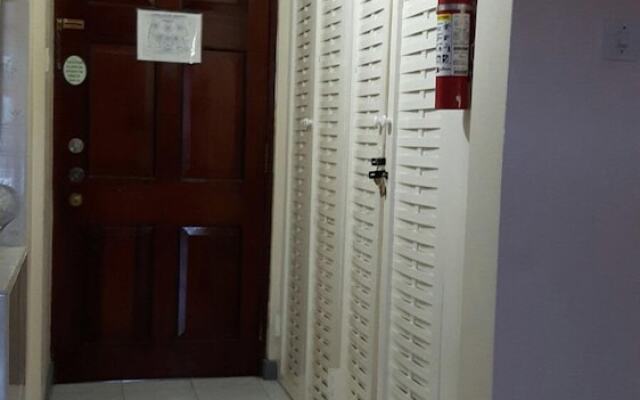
[(380, 177)]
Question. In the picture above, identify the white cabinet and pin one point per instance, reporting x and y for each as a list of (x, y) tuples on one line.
[(373, 281)]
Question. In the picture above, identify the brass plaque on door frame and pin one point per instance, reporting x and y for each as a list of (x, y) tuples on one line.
[(70, 24)]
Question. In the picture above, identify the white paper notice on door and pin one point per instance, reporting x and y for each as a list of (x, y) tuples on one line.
[(169, 37)]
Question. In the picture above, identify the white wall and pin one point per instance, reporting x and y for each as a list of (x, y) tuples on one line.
[(567, 320), (14, 16), (483, 203)]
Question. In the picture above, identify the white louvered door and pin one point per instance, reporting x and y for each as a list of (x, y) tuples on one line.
[(426, 226), (332, 98), (416, 283), (299, 198), (373, 283), (372, 20)]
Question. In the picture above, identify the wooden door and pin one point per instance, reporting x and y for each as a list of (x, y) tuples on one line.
[(162, 270)]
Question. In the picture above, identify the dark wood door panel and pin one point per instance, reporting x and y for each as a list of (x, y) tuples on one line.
[(224, 24), (90, 363), (103, 16), (118, 284), (211, 289), (122, 277), (162, 270), (178, 203), (137, 323), (214, 114), (121, 113)]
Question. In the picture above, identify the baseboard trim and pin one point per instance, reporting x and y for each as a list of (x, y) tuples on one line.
[(270, 370)]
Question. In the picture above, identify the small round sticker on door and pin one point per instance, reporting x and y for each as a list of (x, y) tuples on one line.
[(74, 70)]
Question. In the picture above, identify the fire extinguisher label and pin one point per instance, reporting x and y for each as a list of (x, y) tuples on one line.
[(444, 45), (454, 32)]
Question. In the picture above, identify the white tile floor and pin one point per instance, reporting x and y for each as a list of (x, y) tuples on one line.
[(178, 389)]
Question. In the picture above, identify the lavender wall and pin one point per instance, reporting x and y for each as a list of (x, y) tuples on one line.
[(568, 313), (14, 17)]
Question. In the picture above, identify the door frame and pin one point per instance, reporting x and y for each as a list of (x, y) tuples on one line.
[(39, 201), (275, 324)]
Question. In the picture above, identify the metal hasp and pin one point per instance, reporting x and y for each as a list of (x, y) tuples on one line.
[(380, 175)]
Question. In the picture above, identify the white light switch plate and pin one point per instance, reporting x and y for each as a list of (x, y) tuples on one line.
[(621, 40)]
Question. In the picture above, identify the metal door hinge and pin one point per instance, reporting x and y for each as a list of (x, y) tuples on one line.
[(63, 24)]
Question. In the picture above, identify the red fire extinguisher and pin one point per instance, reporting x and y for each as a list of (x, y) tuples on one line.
[(454, 53)]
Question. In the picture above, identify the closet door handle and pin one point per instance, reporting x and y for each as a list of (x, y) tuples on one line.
[(383, 123), (306, 123)]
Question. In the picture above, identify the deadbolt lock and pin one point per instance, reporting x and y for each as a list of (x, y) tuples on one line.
[(76, 175)]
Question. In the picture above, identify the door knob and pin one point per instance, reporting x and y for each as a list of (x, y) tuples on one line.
[(75, 200)]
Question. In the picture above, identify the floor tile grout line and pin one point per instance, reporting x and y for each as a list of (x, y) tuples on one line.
[(264, 389), (280, 390), (193, 387)]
